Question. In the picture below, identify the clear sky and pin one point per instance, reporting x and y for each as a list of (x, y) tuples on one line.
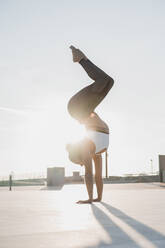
[(37, 78)]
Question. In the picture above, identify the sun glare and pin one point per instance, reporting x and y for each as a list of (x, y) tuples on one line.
[(77, 133)]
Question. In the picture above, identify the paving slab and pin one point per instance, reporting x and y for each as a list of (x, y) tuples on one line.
[(130, 215)]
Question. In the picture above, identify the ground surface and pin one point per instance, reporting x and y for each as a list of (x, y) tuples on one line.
[(130, 215)]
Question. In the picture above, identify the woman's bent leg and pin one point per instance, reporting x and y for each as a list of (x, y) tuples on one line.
[(92, 70), (95, 73), (82, 104)]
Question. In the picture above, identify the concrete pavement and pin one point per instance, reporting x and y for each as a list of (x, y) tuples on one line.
[(130, 215)]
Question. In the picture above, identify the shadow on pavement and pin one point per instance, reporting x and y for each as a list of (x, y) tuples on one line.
[(116, 234), (120, 238), (157, 185), (52, 187), (148, 232)]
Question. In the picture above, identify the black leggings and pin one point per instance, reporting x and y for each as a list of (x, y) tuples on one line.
[(83, 103)]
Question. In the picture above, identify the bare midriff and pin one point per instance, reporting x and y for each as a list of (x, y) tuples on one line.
[(95, 123)]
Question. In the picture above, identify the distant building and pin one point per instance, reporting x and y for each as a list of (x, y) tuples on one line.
[(162, 168), (76, 176), (55, 176)]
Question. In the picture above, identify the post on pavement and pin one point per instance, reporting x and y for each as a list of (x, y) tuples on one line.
[(106, 164), (10, 182)]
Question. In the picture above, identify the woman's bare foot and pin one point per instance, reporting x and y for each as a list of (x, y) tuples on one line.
[(84, 202), (77, 54), (97, 200)]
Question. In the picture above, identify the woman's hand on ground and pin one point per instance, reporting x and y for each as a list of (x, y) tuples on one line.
[(84, 202), (97, 200)]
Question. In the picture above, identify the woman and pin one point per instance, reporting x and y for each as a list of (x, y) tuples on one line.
[(81, 107)]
